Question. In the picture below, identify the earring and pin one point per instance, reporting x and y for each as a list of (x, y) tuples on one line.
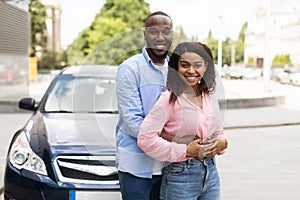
[(199, 81)]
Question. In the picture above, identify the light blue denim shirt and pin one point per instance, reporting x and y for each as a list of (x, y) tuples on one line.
[(138, 85)]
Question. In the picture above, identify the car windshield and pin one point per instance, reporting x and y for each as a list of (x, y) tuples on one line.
[(90, 94)]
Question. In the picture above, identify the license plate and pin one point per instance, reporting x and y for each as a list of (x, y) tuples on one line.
[(94, 195)]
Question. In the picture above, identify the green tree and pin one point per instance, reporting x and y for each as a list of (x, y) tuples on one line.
[(251, 61), (51, 60), (213, 45), (281, 60), (115, 34), (240, 44), (131, 12), (226, 51), (226, 48), (178, 37), (38, 26)]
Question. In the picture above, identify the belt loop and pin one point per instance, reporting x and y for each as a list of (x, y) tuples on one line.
[(187, 163), (213, 160), (190, 161)]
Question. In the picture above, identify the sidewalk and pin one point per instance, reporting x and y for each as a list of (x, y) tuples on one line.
[(252, 93)]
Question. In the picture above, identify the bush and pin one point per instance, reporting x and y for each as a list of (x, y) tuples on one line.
[(281, 60)]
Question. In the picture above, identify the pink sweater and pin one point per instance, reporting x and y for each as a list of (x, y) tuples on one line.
[(181, 118)]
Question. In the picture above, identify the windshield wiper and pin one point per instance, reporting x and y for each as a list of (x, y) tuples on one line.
[(107, 111), (58, 111)]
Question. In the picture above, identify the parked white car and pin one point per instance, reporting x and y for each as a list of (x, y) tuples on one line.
[(251, 73), (235, 72), (295, 78)]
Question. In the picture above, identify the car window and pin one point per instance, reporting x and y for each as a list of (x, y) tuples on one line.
[(81, 94)]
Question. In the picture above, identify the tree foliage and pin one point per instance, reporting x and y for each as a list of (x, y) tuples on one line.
[(281, 60), (226, 51), (251, 61), (227, 44), (213, 45), (115, 34), (178, 37), (51, 60), (240, 44), (38, 26)]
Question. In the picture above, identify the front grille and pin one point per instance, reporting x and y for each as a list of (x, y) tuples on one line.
[(91, 162), (76, 174), (86, 169)]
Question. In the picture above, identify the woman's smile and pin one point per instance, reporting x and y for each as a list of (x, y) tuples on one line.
[(192, 67)]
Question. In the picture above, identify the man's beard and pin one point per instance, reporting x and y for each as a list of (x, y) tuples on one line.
[(158, 57)]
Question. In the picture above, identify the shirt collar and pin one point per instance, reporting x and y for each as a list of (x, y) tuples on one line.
[(148, 59)]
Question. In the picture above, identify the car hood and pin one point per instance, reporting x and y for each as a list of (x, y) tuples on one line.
[(71, 134)]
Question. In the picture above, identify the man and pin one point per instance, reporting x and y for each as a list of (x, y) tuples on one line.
[(140, 81)]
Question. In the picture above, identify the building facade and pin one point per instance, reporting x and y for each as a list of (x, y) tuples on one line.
[(53, 25), (14, 48), (283, 28)]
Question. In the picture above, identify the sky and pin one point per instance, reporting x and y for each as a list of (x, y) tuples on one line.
[(223, 17)]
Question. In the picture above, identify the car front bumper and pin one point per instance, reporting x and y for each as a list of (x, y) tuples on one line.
[(24, 185)]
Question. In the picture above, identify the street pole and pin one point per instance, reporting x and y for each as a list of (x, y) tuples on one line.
[(220, 52), (267, 63), (220, 43), (232, 54)]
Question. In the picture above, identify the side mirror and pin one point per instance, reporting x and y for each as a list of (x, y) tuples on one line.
[(27, 104)]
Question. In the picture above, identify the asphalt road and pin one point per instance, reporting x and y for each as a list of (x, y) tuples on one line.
[(9, 124), (261, 162)]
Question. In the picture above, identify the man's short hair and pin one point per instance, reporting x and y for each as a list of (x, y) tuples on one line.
[(157, 13)]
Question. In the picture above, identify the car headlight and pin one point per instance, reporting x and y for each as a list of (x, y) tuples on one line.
[(21, 156)]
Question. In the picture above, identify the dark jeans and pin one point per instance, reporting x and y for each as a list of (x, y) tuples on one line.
[(135, 188)]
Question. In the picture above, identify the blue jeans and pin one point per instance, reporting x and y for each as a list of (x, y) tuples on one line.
[(135, 188), (191, 180)]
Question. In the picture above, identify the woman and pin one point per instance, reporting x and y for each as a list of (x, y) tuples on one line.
[(185, 118)]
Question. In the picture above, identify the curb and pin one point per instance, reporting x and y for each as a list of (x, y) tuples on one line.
[(261, 125), (252, 102)]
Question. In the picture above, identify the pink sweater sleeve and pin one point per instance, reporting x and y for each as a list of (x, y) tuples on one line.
[(149, 139)]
